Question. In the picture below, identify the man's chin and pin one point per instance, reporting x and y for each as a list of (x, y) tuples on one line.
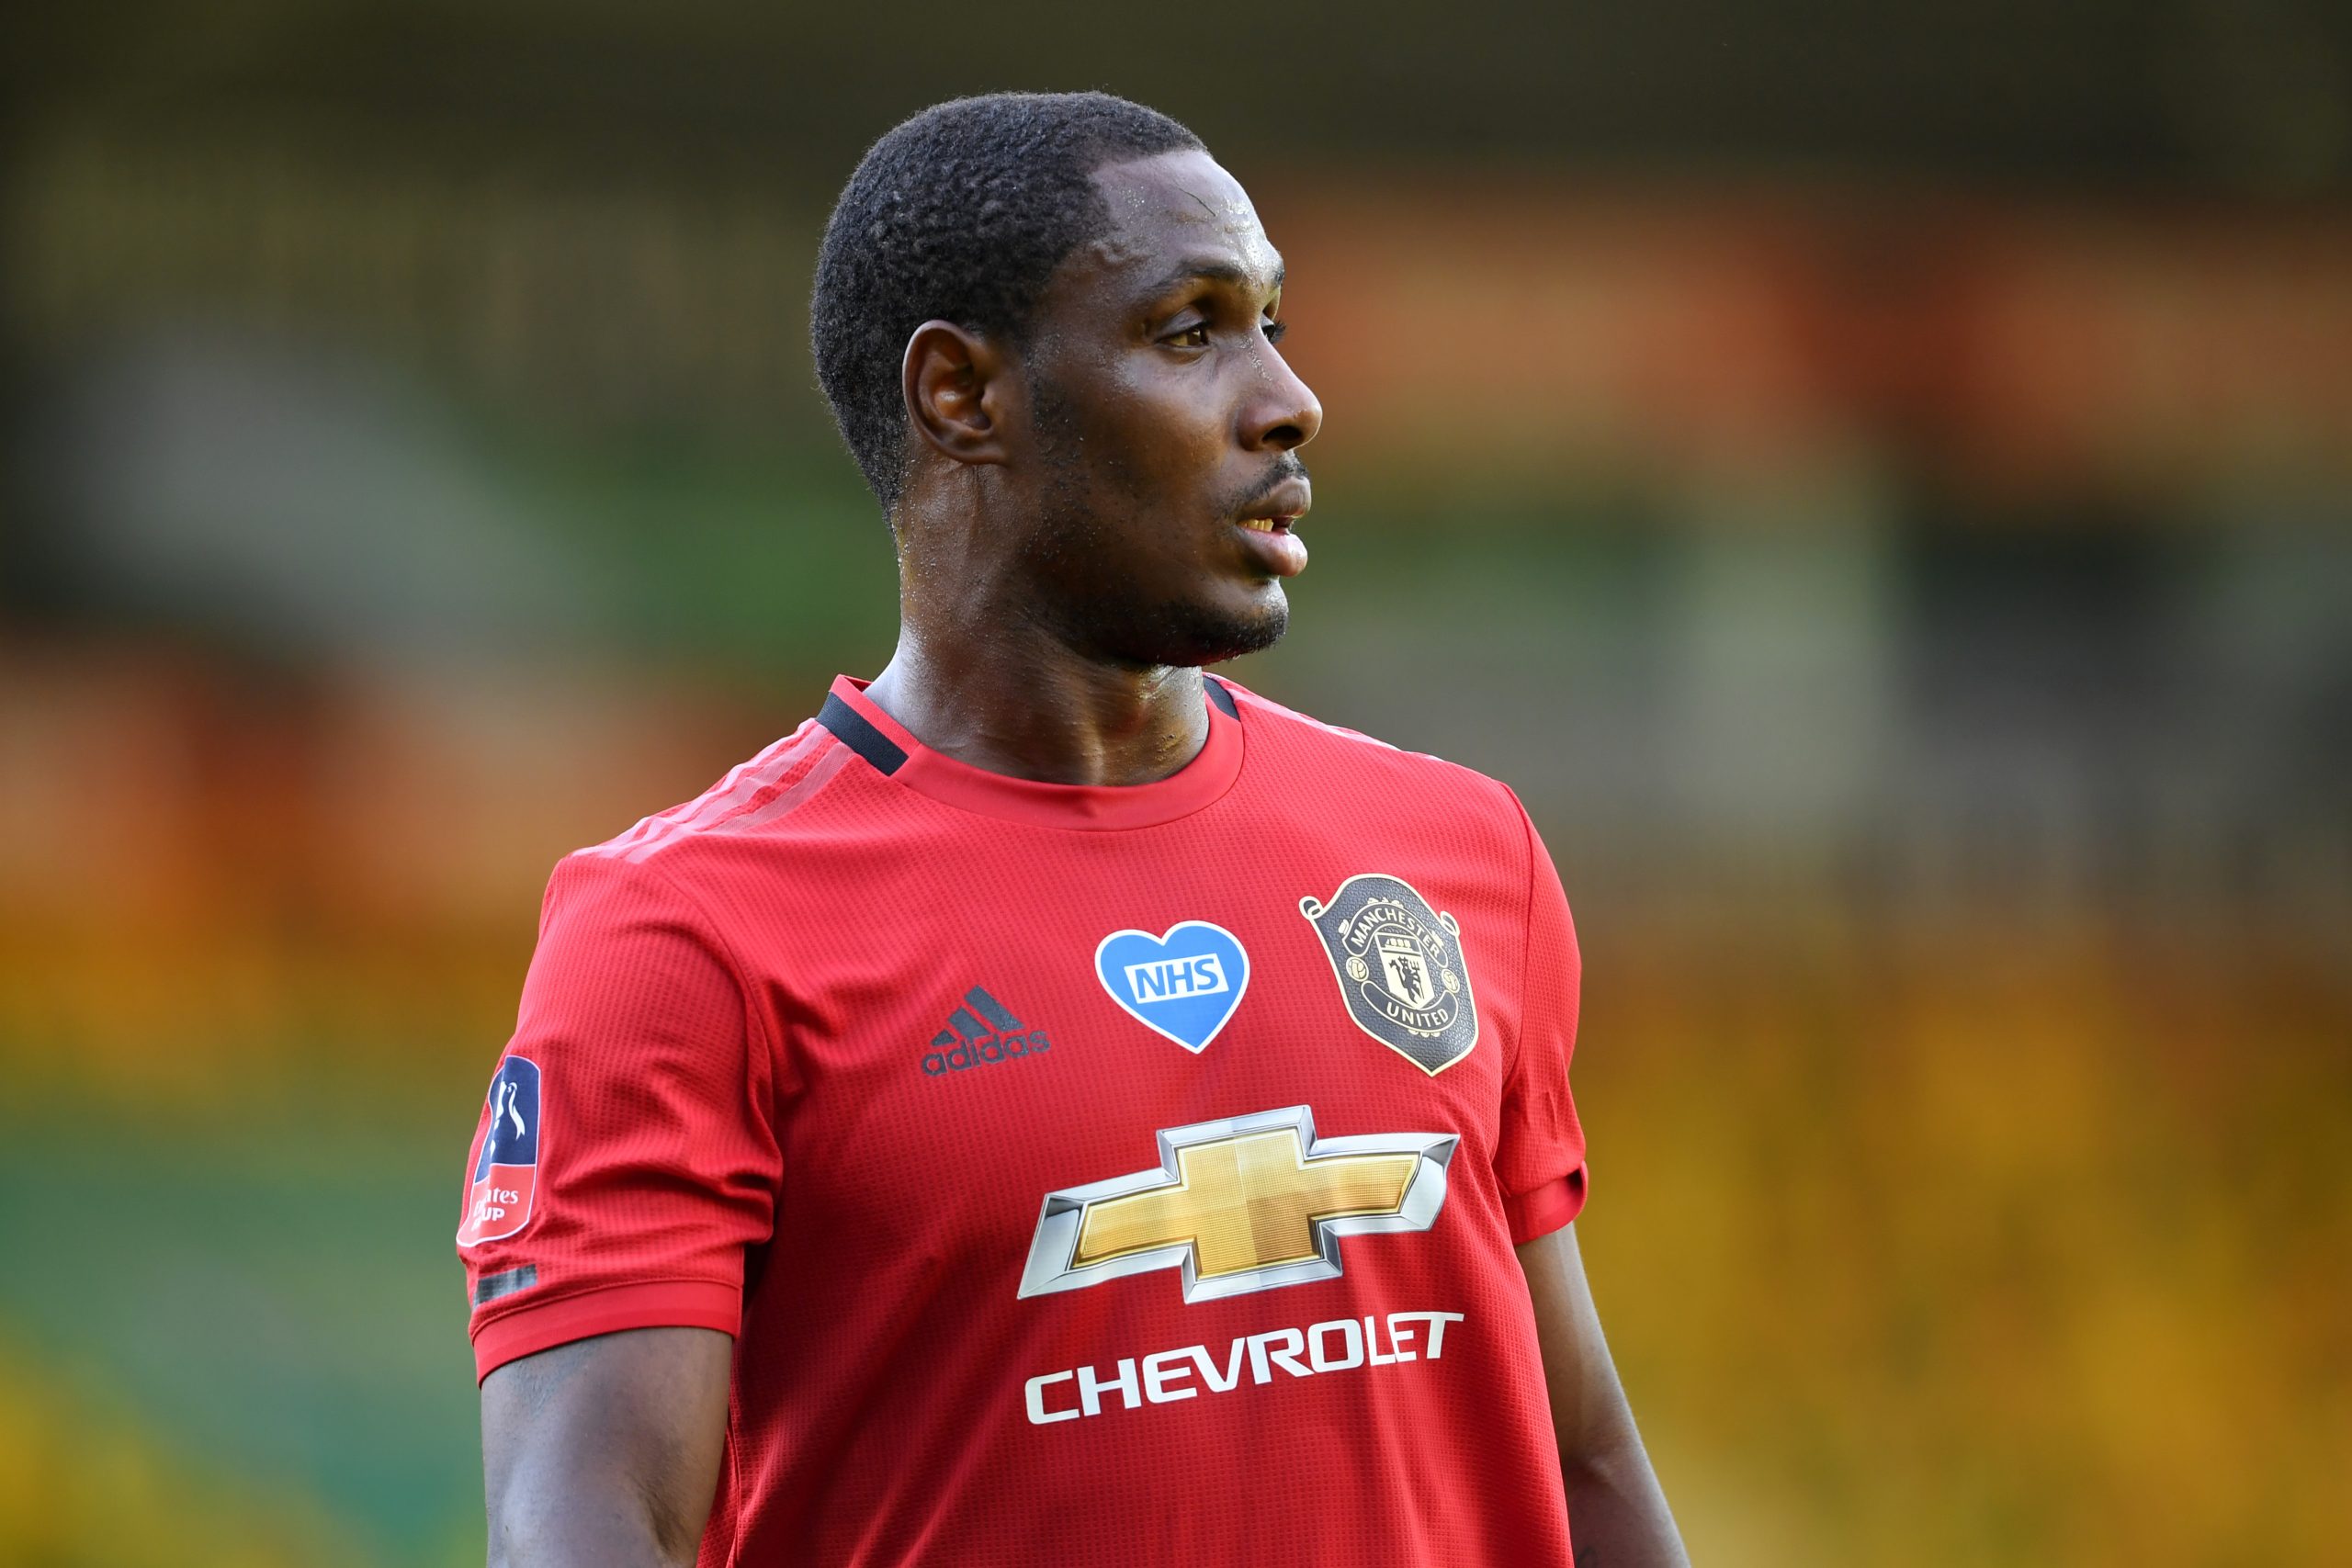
[(1189, 633), (1214, 636)]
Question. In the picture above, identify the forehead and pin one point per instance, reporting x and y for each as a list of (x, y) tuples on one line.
[(1172, 214)]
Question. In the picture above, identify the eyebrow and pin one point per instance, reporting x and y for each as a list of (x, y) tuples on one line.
[(1213, 272)]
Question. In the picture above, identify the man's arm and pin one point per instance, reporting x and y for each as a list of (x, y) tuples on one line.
[(1616, 1511), (603, 1453)]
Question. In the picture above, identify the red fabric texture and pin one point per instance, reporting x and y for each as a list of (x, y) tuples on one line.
[(735, 1010), (666, 1304)]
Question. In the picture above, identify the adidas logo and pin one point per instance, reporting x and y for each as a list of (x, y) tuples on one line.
[(982, 1031)]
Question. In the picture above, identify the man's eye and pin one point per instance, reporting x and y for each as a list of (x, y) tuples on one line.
[(1193, 336), (1276, 331)]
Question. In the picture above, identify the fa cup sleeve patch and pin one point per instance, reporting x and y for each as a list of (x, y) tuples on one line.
[(507, 1161), (1400, 969)]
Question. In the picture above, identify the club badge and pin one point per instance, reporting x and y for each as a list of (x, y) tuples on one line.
[(1399, 967)]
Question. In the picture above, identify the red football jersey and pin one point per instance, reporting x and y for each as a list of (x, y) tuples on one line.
[(1089, 1175)]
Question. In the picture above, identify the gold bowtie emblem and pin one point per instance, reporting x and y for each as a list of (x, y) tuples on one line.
[(1243, 1205)]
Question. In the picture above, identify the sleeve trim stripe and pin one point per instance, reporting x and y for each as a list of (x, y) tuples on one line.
[(1526, 929), (1546, 1209), (666, 1304)]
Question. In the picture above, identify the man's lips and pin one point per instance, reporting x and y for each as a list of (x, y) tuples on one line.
[(1280, 509), (1267, 523)]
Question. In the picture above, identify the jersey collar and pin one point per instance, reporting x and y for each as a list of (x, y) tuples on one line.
[(891, 749)]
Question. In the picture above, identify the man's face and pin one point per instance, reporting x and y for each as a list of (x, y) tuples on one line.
[(1166, 425)]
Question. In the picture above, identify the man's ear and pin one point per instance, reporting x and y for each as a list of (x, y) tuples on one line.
[(957, 383)]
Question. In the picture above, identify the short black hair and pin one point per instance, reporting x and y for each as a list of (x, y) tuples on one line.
[(960, 213)]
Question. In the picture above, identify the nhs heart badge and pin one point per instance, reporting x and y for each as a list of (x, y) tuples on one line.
[(1184, 985)]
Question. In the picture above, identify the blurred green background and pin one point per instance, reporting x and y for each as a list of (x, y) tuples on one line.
[(1877, 480)]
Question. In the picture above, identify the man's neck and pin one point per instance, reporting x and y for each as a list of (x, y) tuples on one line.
[(1018, 703)]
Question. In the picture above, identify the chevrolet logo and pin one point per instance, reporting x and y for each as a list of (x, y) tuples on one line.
[(1239, 1205)]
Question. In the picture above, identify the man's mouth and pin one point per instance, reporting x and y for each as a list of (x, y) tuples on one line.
[(1270, 518), (1280, 511)]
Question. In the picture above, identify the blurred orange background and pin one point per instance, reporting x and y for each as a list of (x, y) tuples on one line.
[(1879, 484)]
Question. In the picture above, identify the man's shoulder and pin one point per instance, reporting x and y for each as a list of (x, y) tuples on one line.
[(759, 798), (1302, 740)]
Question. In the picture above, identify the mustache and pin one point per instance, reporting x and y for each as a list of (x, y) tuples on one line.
[(1288, 467)]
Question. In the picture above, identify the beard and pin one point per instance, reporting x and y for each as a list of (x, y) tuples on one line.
[(1077, 543), (1184, 632)]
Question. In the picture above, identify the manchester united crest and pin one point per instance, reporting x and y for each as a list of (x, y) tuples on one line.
[(1399, 967)]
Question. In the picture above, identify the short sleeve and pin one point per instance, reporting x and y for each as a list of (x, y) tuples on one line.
[(624, 1161), (1539, 1155)]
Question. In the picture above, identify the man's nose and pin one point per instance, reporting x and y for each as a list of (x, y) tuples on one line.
[(1285, 412)]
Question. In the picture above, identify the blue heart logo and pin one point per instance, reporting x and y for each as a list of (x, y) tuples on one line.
[(1183, 985)]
